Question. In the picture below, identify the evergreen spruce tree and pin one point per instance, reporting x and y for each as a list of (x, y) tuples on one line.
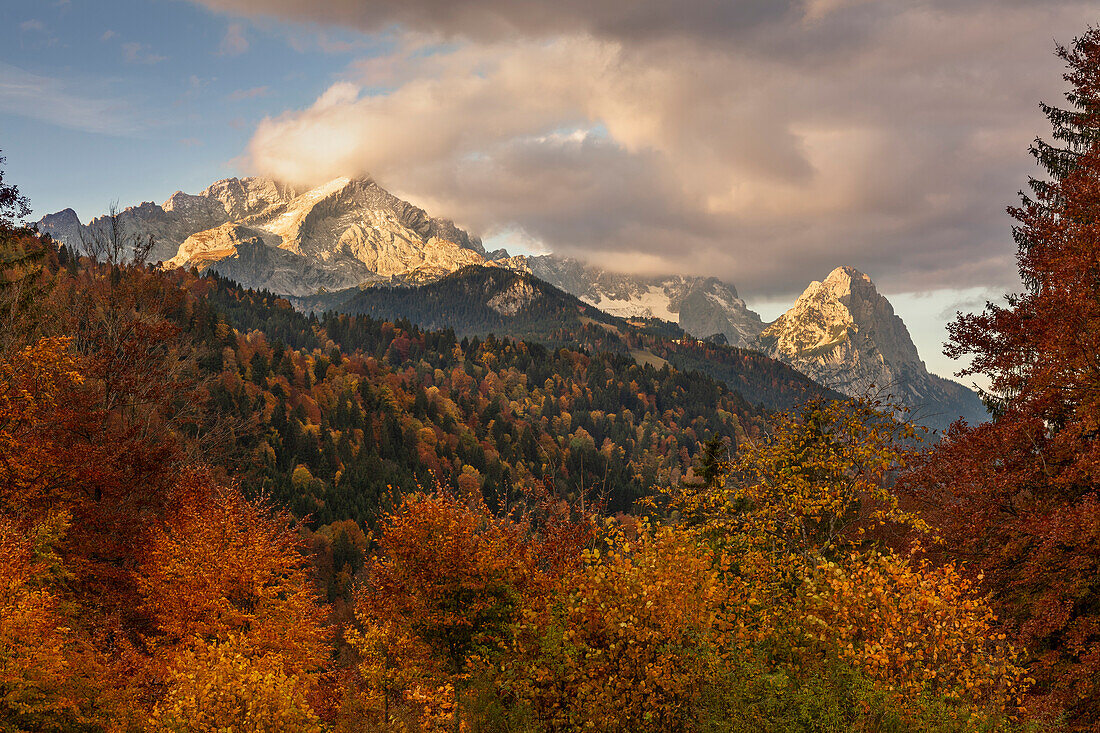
[(1075, 128)]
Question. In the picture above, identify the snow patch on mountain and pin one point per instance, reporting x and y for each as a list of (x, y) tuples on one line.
[(702, 306), (653, 302)]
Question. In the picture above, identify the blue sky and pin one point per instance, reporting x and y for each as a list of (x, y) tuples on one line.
[(133, 100)]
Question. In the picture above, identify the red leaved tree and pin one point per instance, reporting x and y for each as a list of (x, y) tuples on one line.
[(1018, 497)]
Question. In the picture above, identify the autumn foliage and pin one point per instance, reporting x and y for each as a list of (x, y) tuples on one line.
[(627, 641), (1017, 497), (448, 582), (144, 591), (132, 576), (808, 522), (213, 515)]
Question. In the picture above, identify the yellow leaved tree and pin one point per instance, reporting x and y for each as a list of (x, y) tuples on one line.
[(629, 640), (238, 633), (233, 686), (811, 524)]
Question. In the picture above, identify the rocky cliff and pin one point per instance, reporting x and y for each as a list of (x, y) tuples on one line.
[(267, 234), (845, 335)]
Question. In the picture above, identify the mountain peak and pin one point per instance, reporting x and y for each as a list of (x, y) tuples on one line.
[(343, 232), (844, 308), (847, 275), (841, 282), (63, 226), (844, 334), (63, 215)]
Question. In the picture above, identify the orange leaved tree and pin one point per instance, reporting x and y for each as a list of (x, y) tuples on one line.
[(236, 622), (629, 640), (447, 583)]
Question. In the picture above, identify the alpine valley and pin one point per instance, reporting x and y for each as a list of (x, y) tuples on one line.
[(300, 453), (351, 246)]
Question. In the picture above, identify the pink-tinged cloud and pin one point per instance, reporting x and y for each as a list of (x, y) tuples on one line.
[(762, 141)]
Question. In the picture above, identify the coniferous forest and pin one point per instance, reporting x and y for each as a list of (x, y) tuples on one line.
[(219, 513)]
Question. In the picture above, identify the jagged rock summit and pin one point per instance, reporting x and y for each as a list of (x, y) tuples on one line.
[(844, 334), (268, 234), (349, 232)]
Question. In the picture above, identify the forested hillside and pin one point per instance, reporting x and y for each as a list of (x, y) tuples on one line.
[(484, 301), (344, 406), (473, 300), (758, 378)]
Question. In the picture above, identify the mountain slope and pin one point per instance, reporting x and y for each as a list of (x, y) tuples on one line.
[(482, 300), (702, 306), (473, 300), (846, 336), (758, 378)]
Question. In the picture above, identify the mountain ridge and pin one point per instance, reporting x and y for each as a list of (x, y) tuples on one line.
[(702, 306), (351, 230), (346, 234)]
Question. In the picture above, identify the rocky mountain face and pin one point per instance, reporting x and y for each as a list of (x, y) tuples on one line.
[(349, 233), (846, 336), (267, 234), (64, 226), (702, 306)]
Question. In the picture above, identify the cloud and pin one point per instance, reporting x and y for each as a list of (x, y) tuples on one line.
[(32, 25), (762, 141), (819, 9), (233, 43), (51, 100), (505, 19), (761, 23), (253, 93), (107, 35), (139, 53)]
